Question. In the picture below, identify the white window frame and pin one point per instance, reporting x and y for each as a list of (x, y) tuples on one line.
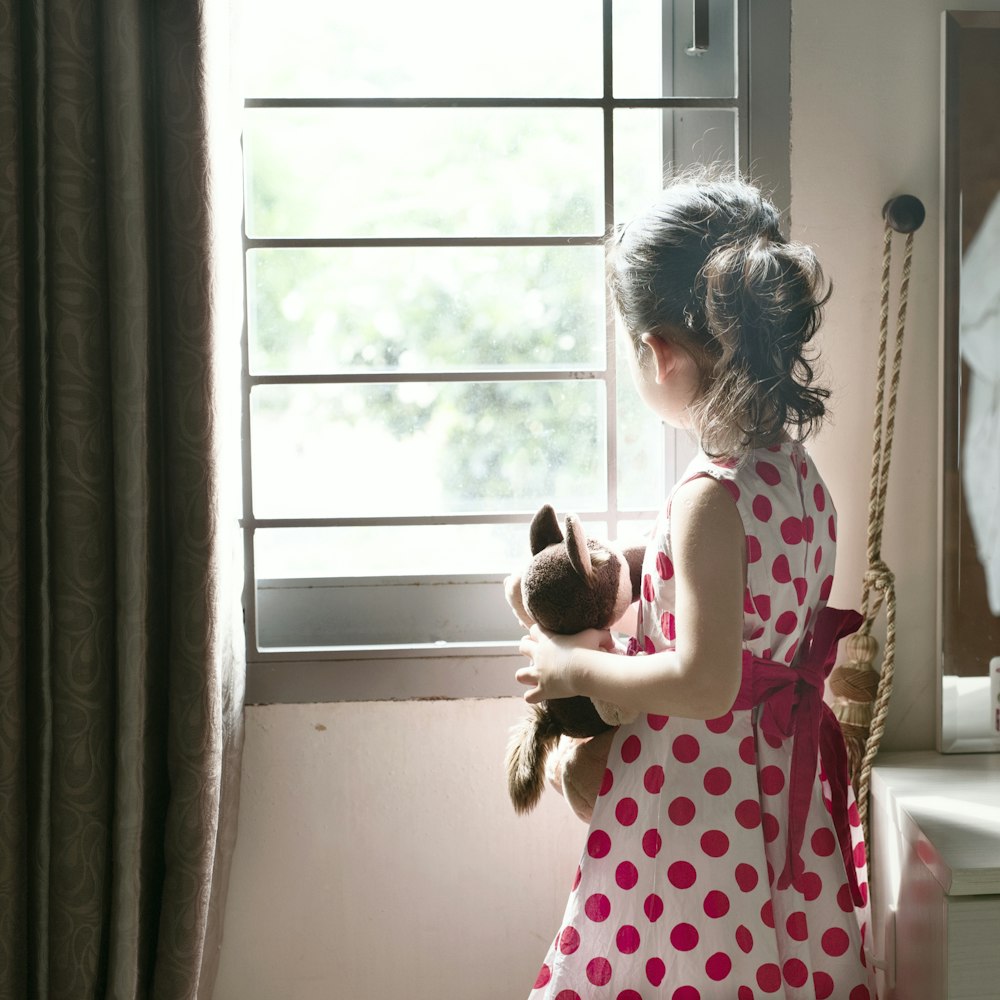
[(299, 672)]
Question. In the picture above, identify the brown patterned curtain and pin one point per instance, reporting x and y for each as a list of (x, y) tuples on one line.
[(120, 676)]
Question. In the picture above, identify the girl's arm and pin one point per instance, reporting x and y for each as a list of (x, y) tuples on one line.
[(700, 678)]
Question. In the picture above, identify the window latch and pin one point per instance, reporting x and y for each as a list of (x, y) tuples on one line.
[(699, 29)]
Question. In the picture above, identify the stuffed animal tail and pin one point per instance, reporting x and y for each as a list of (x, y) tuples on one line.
[(530, 741)]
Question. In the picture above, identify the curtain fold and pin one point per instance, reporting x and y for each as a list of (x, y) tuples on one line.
[(121, 674)]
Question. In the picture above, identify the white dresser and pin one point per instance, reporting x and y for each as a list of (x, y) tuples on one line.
[(936, 872)]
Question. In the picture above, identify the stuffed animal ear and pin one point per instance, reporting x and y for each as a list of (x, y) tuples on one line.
[(515, 598), (576, 547), (634, 556), (545, 530)]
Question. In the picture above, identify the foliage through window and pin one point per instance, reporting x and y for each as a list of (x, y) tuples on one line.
[(429, 355)]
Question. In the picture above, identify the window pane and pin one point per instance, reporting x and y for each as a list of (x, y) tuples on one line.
[(427, 308), (392, 550), (632, 532), (642, 32), (642, 479), (351, 612), (437, 48), (424, 172), (419, 448), (651, 144), (651, 456)]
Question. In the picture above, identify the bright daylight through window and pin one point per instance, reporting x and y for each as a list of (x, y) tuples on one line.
[(429, 355)]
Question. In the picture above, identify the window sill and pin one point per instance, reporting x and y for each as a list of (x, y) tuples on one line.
[(383, 673)]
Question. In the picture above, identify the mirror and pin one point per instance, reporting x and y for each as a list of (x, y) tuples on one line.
[(969, 544)]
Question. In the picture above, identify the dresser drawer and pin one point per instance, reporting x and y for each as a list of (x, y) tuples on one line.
[(936, 875)]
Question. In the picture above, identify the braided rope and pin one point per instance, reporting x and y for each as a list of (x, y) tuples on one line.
[(874, 521), (882, 580), (879, 578)]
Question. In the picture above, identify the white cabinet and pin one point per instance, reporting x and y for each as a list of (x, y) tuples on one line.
[(936, 868)]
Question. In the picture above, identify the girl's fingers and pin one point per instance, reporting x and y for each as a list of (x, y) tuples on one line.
[(526, 675), (529, 675), (527, 647)]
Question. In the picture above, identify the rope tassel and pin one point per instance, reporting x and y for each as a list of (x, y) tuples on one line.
[(861, 692), (854, 685)]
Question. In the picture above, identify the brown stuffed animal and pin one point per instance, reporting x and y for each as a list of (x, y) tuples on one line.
[(572, 583), (575, 769)]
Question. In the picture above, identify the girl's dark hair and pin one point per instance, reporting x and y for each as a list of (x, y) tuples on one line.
[(707, 268)]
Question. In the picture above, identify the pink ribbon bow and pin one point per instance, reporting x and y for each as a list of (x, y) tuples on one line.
[(793, 706)]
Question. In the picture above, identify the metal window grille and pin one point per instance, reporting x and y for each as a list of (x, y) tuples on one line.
[(302, 663)]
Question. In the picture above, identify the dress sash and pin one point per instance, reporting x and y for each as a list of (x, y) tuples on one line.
[(791, 700)]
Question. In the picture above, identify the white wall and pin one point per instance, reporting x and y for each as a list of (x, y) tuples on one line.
[(865, 127), (378, 856)]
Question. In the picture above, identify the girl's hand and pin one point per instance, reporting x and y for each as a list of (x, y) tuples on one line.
[(550, 673)]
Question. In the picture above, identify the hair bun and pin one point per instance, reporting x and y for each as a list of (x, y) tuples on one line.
[(707, 267), (762, 299)]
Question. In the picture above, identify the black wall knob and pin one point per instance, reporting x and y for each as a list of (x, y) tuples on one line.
[(905, 213)]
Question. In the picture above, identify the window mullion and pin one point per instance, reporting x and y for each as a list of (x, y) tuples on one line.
[(611, 358), (416, 520), (249, 601), (379, 377), (742, 43), (666, 101)]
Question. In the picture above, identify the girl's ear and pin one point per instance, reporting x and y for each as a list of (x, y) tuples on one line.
[(666, 356)]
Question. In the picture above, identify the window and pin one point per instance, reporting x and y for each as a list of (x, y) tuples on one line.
[(429, 355)]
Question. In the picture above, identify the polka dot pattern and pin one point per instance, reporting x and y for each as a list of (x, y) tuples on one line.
[(627, 811), (718, 966), (598, 907), (676, 894), (686, 748), (684, 937), (664, 566), (795, 972), (682, 875), (628, 939), (569, 940), (746, 877), (626, 875), (681, 811), (717, 781), (823, 985), (653, 779), (598, 844), (631, 749), (744, 939), (656, 969), (797, 926), (599, 971)]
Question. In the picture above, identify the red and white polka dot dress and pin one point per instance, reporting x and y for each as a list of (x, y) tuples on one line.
[(677, 894)]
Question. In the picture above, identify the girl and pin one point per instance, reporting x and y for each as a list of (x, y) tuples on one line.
[(724, 857)]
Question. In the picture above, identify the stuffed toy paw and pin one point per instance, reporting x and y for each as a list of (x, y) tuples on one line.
[(575, 768), (572, 583)]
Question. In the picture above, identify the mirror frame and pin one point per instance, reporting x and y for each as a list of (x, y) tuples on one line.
[(957, 731)]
